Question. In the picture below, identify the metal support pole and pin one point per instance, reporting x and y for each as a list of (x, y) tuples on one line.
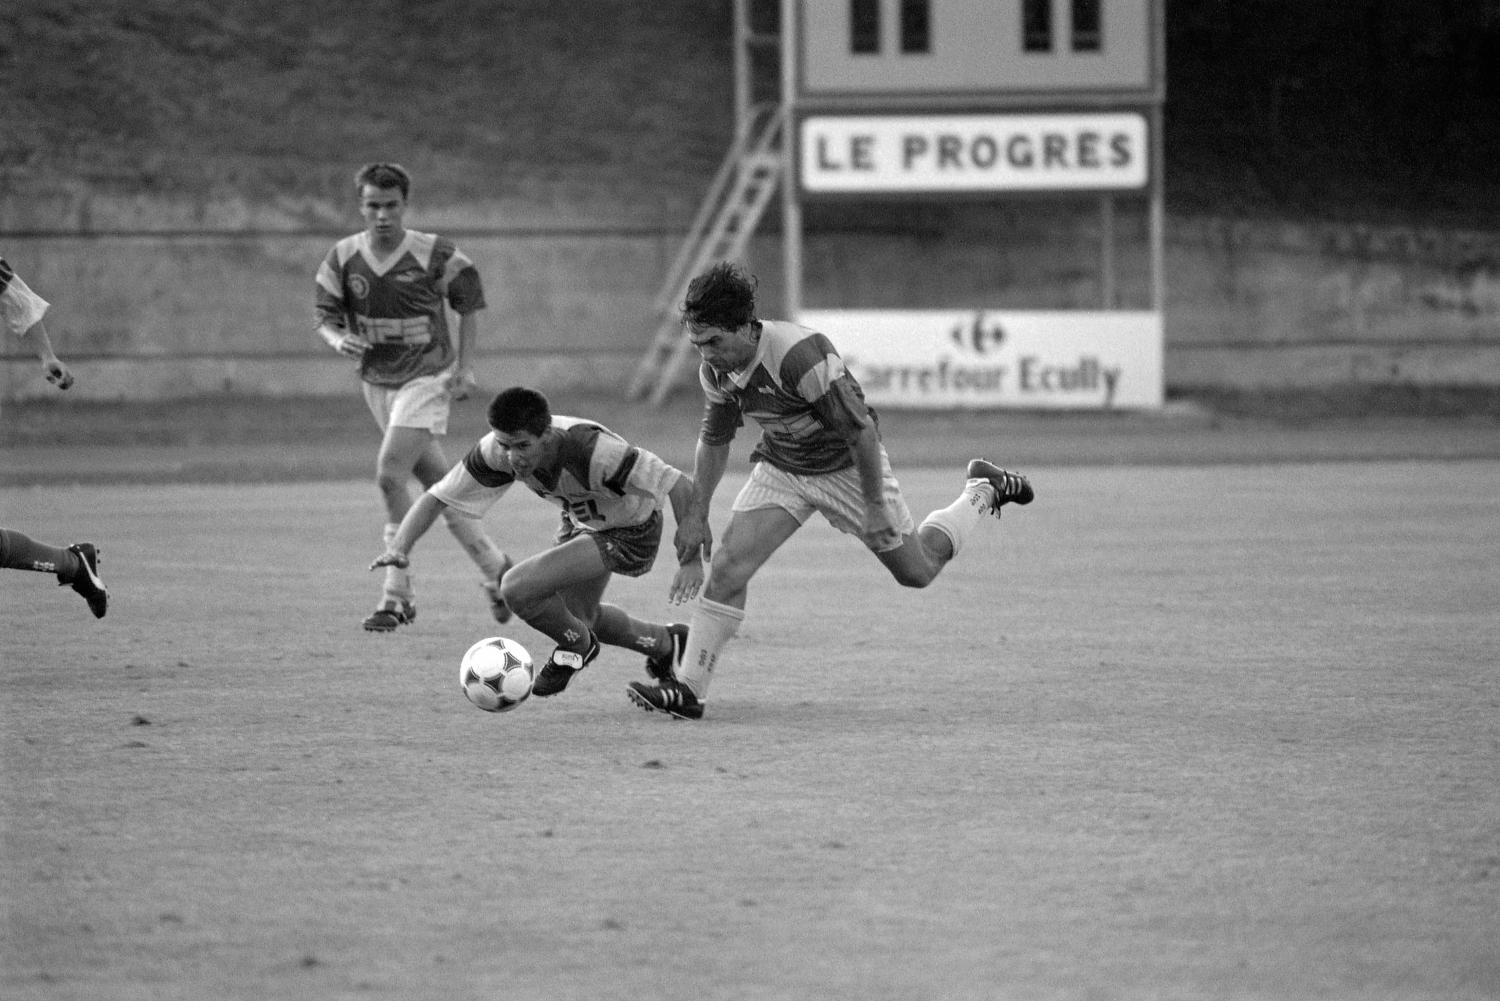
[(1108, 294), (791, 208)]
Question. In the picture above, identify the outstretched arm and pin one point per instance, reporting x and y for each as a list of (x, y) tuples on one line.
[(57, 372), (689, 576), (693, 534), (415, 525)]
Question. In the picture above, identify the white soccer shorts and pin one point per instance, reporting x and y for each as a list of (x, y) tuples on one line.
[(836, 496), (423, 402)]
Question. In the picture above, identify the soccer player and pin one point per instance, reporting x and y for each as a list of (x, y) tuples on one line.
[(819, 451), (382, 298), (611, 495), (21, 312)]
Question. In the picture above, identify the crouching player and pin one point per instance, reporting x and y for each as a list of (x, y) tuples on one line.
[(611, 496)]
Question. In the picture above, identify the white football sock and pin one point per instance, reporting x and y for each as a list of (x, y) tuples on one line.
[(958, 519), (711, 626), (398, 585)]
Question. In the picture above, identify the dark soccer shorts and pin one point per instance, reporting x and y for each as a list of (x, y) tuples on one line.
[(629, 551)]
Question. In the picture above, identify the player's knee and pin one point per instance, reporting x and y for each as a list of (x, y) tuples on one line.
[(910, 574), (520, 592), (390, 481), (908, 578), (728, 577)]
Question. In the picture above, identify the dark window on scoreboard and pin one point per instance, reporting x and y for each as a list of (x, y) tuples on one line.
[(1036, 25), (916, 26), (864, 27), (1088, 31)]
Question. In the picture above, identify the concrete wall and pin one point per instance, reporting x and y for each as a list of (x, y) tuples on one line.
[(186, 312)]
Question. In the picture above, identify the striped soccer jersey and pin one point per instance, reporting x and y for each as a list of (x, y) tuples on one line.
[(599, 479), (809, 407), (398, 303)]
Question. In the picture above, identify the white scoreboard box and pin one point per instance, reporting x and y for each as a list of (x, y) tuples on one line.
[(955, 359)]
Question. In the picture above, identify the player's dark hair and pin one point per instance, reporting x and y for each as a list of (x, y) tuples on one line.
[(520, 409), (384, 175), (723, 297)]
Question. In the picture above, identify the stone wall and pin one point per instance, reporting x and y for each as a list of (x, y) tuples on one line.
[(179, 312)]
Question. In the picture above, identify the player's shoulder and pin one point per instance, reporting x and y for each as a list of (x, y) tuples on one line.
[(431, 248), (489, 451), (348, 247), (792, 350), (581, 434), (787, 333)]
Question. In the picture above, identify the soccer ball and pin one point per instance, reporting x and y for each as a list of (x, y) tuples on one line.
[(496, 674)]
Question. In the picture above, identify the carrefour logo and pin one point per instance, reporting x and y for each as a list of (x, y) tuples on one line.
[(978, 335)]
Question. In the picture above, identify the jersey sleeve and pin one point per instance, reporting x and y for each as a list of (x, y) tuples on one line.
[(817, 371), (328, 300), (20, 308), (465, 289), (842, 408), (623, 468), (473, 485), (722, 416)]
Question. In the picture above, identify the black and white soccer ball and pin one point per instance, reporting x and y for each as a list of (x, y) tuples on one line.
[(496, 674)]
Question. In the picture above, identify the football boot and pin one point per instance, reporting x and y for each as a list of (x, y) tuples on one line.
[(667, 696), (560, 668), (86, 580), (665, 666), (1010, 488), (385, 620)]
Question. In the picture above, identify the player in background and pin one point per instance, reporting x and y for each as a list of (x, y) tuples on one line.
[(21, 312), (382, 298), (819, 451), (611, 494)]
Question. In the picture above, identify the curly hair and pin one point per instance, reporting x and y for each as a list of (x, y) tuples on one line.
[(722, 297)]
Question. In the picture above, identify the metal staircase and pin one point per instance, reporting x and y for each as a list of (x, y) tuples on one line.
[(726, 220)]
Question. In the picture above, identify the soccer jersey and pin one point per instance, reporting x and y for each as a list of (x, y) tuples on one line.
[(20, 308), (599, 479), (397, 303), (809, 407)]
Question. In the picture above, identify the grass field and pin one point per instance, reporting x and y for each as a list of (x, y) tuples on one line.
[(1174, 731)]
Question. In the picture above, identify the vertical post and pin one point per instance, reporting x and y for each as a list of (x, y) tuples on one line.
[(1158, 223), (744, 67), (1158, 216), (1109, 298), (791, 208)]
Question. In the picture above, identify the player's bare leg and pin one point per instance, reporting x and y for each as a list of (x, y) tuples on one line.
[(749, 541), (940, 536), (400, 451), (557, 593)]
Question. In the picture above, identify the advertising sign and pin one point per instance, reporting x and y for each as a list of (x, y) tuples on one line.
[(867, 154), (991, 359)]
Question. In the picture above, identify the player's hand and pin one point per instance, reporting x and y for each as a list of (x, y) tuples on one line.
[(686, 582), (693, 540), (58, 374), (352, 346), (390, 559), (462, 383)]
